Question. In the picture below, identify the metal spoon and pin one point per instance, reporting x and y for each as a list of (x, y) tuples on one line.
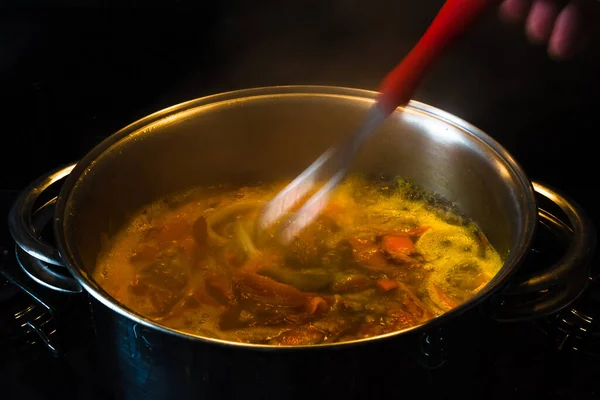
[(454, 18)]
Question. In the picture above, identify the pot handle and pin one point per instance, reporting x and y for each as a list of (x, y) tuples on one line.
[(547, 291), (33, 254)]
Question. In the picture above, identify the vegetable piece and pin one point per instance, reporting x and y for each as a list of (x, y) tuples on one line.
[(186, 302), (351, 306), (222, 214), (232, 256), (351, 284), (262, 259), (301, 254), (367, 253), (387, 284), (159, 286), (168, 273), (244, 240), (442, 299), (339, 257), (248, 314), (268, 291), (157, 240), (239, 207), (467, 276), (412, 304), (316, 305), (153, 300), (312, 247), (306, 281), (334, 326), (483, 244), (397, 245)]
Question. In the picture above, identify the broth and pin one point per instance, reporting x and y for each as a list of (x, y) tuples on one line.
[(383, 256)]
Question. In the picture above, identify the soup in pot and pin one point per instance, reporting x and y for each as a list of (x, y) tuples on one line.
[(385, 255)]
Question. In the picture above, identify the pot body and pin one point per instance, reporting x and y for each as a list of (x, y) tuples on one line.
[(271, 133), (265, 134), (143, 363)]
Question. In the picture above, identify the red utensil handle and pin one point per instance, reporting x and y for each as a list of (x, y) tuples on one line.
[(454, 18)]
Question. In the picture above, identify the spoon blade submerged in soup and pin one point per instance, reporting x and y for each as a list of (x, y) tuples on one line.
[(383, 256)]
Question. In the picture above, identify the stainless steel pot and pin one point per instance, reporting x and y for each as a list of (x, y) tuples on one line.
[(267, 133)]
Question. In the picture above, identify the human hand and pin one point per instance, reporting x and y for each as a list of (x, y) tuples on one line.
[(564, 26)]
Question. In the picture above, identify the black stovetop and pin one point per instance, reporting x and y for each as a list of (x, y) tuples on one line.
[(70, 76)]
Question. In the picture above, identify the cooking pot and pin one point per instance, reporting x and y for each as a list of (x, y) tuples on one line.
[(271, 133)]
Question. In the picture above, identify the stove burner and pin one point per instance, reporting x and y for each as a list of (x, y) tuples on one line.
[(32, 318), (26, 320), (577, 328)]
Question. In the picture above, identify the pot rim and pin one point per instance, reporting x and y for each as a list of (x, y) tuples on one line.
[(168, 114)]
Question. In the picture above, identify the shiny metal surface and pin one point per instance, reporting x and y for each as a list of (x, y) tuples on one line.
[(38, 270), (26, 225), (37, 318), (142, 363), (241, 135), (237, 137), (567, 278), (582, 245), (19, 219)]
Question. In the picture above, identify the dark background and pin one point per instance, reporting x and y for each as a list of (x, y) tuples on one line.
[(71, 75)]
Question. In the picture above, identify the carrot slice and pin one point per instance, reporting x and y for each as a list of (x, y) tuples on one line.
[(387, 284), (397, 246), (267, 291), (367, 252)]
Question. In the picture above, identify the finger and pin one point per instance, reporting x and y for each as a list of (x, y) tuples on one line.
[(514, 10), (566, 32), (540, 21)]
